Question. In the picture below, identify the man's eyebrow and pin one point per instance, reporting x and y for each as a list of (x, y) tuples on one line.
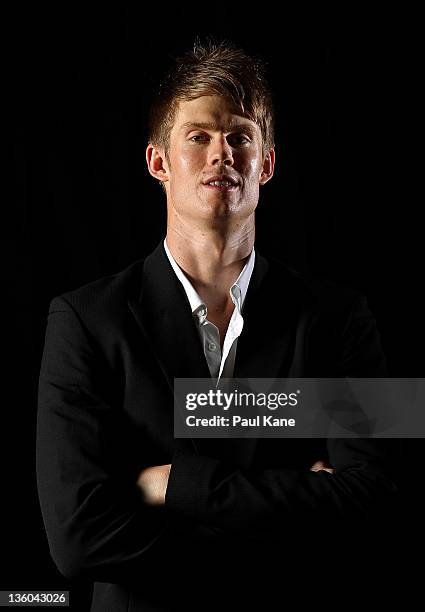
[(216, 127)]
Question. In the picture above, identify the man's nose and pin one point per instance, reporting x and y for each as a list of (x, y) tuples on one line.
[(220, 152)]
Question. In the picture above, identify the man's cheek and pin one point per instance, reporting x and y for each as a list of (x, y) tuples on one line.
[(187, 162)]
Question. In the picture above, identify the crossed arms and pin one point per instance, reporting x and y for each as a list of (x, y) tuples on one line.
[(104, 515)]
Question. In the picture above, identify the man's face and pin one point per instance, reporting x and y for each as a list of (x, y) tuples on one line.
[(209, 139)]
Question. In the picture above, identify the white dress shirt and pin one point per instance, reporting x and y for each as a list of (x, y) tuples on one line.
[(220, 363)]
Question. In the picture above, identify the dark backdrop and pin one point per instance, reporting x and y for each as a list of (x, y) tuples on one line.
[(343, 202)]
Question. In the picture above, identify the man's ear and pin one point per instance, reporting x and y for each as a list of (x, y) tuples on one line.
[(268, 167), (157, 163)]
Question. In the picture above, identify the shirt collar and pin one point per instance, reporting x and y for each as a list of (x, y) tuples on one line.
[(237, 291)]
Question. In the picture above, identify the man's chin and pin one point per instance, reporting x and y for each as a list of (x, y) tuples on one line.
[(220, 210), (220, 216)]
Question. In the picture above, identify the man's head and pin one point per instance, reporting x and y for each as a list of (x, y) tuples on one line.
[(213, 117)]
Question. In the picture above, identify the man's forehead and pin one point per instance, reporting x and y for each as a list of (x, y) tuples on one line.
[(219, 125), (211, 113)]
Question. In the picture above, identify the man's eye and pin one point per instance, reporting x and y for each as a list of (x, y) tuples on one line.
[(197, 136), (240, 139)]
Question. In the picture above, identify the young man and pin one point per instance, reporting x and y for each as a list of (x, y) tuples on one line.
[(160, 523)]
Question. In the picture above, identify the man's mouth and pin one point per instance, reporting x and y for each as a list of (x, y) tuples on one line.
[(221, 185)]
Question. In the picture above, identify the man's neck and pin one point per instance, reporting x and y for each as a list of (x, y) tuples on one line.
[(212, 261)]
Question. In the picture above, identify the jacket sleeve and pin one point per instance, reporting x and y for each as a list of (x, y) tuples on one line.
[(242, 500), (96, 524)]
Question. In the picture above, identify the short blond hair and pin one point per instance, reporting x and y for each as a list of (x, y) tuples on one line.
[(213, 68)]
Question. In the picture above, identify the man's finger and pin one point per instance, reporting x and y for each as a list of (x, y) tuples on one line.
[(321, 465)]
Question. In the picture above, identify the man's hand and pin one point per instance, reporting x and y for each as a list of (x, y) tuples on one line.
[(321, 465), (152, 483)]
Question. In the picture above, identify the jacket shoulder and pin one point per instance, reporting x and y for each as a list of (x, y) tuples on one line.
[(108, 293), (316, 292)]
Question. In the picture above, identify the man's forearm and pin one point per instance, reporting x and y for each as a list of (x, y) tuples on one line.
[(209, 492), (153, 481)]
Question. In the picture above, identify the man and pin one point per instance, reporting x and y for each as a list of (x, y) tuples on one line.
[(160, 523)]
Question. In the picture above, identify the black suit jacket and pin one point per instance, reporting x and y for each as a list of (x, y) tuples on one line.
[(112, 350)]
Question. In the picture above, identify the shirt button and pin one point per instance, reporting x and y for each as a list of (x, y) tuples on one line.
[(212, 346)]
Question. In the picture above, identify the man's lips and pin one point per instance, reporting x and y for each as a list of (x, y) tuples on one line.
[(221, 187), (221, 178)]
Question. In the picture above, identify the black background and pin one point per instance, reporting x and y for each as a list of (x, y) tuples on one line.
[(344, 202)]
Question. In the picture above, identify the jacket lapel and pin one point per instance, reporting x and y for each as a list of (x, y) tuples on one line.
[(271, 312), (165, 318)]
